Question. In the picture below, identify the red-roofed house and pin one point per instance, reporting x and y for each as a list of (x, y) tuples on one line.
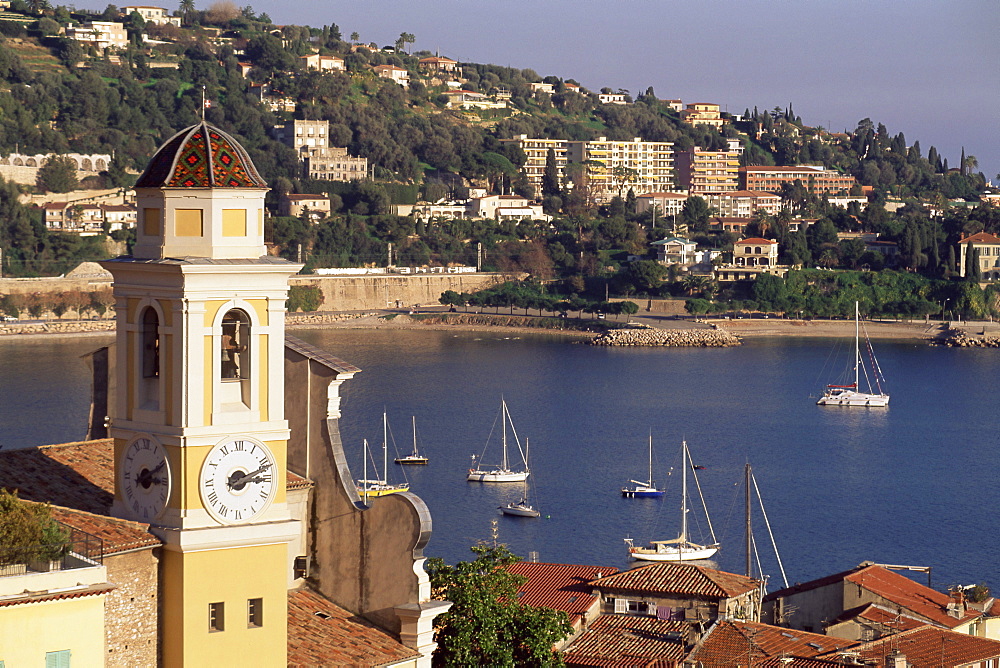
[(871, 621), (930, 646), (563, 587), (315, 61), (393, 73), (733, 643), (988, 247), (681, 592), (438, 64), (617, 641), (819, 603)]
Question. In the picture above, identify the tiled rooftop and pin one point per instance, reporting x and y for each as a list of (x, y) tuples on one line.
[(117, 535), (890, 621), (685, 579), (981, 238), (624, 641), (932, 646), (728, 639), (558, 586), (323, 634)]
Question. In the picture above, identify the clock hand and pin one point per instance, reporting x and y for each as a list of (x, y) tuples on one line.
[(248, 477)]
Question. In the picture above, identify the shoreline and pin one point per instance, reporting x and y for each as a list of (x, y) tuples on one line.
[(924, 332)]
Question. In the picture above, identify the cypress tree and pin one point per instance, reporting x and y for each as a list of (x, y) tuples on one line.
[(970, 258), (977, 267), (550, 177), (949, 268)]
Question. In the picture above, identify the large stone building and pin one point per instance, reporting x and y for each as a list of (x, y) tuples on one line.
[(815, 178), (319, 160)]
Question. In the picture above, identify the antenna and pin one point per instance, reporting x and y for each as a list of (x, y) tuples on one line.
[(204, 104)]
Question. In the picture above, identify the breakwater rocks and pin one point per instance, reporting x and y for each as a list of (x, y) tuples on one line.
[(675, 338), (960, 339), (315, 319), (57, 327)]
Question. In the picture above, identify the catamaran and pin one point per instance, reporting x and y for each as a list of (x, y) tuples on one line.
[(680, 548), (644, 488), (851, 394), (502, 473)]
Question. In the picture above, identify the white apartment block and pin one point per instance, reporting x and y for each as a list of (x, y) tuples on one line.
[(743, 203), (101, 34), (155, 15)]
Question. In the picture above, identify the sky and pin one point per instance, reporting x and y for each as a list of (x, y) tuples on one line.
[(927, 68)]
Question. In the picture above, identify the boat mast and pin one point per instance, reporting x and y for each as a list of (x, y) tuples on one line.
[(504, 419), (749, 537), (857, 349), (364, 481), (650, 483), (684, 492), (385, 448), (414, 435)]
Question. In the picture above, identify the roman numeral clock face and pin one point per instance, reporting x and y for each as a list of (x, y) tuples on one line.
[(238, 480), (144, 476)]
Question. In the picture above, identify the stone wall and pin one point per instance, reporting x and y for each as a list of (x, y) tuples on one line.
[(356, 293), (131, 613)]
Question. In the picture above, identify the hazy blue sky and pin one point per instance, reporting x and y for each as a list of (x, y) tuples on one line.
[(927, 68)]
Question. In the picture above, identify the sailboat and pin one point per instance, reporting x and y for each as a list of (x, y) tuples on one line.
[(379, 486), (414, 457), (502, 473), (680, 548), (522, 508), (644, 488), (851, 395)]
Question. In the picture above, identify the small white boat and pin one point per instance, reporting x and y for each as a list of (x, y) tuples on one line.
[(503, 472), (644, 488), (379, 486), (522, 508), (414, 457), (851, 394), (680, 548)]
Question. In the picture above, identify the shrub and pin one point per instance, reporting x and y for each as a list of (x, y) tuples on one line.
[(304, 298)]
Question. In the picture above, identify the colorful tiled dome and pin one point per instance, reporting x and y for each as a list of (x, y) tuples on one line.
[(201, 156)]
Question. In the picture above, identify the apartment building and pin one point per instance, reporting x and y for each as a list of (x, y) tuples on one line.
[(743, 203), (666, 203), (703, 172), (87, 219), (703, 113), (319, 160), (314, 61), (155, 15), (651, 163), (988, 246), (816, 178)]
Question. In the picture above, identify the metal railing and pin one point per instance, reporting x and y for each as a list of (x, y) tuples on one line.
[(79, 549)]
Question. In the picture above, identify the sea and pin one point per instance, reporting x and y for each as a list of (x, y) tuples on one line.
[(915, 484)]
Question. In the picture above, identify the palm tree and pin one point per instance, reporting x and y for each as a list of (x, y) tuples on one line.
[(187, 7), (355, 37), (970, 165)]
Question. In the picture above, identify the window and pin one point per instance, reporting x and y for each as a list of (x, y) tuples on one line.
[(58, 659), (255, 613), (216, 617), (235, 345), (150, 343)]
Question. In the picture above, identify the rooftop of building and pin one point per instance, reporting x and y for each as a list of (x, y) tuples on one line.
[(931, 646), (682, 579), (728, 638), (617, 641), (563, 587), (201, 156)]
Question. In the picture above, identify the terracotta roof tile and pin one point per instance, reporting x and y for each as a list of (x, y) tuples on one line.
[(756, 240), (685, 579), (932, 646), (116, 534), (558, 586), (912, 596), (891, 620), (727, 639), (321, 633), (39, 597), (981, 238), (623, 641)]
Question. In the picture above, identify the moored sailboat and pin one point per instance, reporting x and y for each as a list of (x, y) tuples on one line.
[(680, 548), (851, 394), (646, 488), (522, 508), (414, 457), (502, 473), (379, 486)]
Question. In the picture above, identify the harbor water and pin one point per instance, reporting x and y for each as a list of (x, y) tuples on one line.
[(912, 484)]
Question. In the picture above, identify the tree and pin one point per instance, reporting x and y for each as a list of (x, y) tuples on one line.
[(57, 175), (187, 8), (404, 39), (550, 177), (695, 214), (486, 624)]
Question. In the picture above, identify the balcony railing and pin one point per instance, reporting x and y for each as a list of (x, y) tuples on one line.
[(79, 550)]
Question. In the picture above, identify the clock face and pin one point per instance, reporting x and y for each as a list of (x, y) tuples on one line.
[(145, 478), (238, 479)]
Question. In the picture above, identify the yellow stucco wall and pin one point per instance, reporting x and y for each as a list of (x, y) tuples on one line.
[(194, 580), (30, 630)]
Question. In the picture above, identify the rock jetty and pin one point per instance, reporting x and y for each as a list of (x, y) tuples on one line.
[(58, 327), (960, 339), (674, 338)]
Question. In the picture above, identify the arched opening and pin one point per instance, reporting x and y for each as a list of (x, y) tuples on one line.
[(235, 353), (149, 362)]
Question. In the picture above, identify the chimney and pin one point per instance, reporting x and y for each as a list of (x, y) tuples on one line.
[(956, 606), (895, 659)]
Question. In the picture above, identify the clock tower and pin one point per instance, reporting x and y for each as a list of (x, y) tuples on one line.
[(198, 415)]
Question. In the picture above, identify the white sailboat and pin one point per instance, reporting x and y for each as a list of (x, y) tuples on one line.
[(502, 473), (645, 488), (680, 548), (522, 508), (379, 486), (414, 457), (851, 394)]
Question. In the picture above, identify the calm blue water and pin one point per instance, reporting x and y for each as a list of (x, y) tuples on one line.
[(914, 484)]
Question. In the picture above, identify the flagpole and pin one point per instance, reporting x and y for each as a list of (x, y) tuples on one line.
[(203, 104)]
